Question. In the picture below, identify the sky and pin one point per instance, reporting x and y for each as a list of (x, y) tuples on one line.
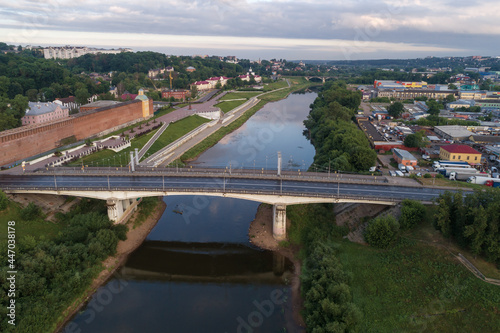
[(266, 29)]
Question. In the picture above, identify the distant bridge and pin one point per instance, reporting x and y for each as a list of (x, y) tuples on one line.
[(322, 78), (120, 189)]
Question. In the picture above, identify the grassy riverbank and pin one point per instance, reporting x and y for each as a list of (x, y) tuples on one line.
[(209, 142), (227, 106), (416, 286), (57, 262)]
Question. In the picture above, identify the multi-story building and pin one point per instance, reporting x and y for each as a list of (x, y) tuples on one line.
[(175, 93), (38, 113), (472, 94), (414, 93), (68, 52)]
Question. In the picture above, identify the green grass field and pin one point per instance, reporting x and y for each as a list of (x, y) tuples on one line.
[(275, 85), (416, 286), (228, 106), (236, 95), (175, 131), (37, 228)]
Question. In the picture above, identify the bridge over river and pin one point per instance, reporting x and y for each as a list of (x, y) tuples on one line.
[(120, 188)]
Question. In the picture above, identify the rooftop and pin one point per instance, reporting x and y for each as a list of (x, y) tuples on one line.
[(405, 155), (460, 149), (454, 130), (36, 108)]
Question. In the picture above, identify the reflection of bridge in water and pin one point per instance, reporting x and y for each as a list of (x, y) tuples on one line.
[(206, 263)]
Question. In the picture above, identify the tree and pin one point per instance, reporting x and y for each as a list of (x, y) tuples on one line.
[(412, 213), (476, 231), (416, 140), (194, 91), (3, 200), (82, 95), (450, 98), (451, 86), (382, 231), (434, 107), (395, 109)]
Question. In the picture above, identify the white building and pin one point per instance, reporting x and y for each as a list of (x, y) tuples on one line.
[(68, 52)]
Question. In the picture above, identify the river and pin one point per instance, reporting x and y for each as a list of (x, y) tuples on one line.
[(197, 271)]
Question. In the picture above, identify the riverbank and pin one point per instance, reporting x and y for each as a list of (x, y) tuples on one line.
[(191, 154), (260, 234), (135, 237)]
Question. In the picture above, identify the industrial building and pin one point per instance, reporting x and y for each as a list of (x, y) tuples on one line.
[(453, 132)]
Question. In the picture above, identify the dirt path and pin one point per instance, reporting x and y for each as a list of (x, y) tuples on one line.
[(135, 237), (261, 235)]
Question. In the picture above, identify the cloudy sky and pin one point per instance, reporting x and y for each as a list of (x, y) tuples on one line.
[(291, 29)]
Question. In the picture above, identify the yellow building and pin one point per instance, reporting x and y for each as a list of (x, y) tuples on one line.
[(460, 153)]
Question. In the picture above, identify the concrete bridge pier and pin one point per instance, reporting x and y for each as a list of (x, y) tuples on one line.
[(119, 210), (279, 222)]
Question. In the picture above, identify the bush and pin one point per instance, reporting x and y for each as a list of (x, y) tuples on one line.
[(3, 200), (427, 175), (412, 213), (382, 231), (31, 212), (439, 176), (120, 231)]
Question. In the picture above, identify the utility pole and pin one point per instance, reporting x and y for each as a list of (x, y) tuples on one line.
[(279, 163)]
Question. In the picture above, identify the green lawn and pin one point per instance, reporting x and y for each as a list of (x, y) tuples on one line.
[(275, 85), (243, 94), (416, 287), (228, 106), (38, 228), (175, 131)]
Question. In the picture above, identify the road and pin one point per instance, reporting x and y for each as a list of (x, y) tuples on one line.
[(218, 184)]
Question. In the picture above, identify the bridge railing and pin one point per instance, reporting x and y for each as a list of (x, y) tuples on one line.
[(217, 173), (166, 190)]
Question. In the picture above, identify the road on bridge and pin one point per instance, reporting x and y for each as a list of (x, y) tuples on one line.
[(216, 184)]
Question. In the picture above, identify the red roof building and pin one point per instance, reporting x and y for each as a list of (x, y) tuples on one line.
[(460, 153)]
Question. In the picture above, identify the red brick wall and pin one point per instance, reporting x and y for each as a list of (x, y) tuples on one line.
[(22, 143)]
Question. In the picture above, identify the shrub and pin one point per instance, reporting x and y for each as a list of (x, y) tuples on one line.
[(412, 213), (3, 200), (427, 175), (382, 231), (31, 212), (439, 176)]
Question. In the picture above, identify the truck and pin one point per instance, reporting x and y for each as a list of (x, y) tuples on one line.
[(493, 158), (447, 171), (402, 167), (399, 173), (463, 174), (481, 180), (493, 182), (409, 168), (449, 164)]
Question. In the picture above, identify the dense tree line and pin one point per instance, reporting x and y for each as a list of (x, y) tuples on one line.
[(473, 221), (52, 273), (328, 305), (340, 144)]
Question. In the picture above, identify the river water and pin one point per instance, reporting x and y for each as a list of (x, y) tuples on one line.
[(197, 271)]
